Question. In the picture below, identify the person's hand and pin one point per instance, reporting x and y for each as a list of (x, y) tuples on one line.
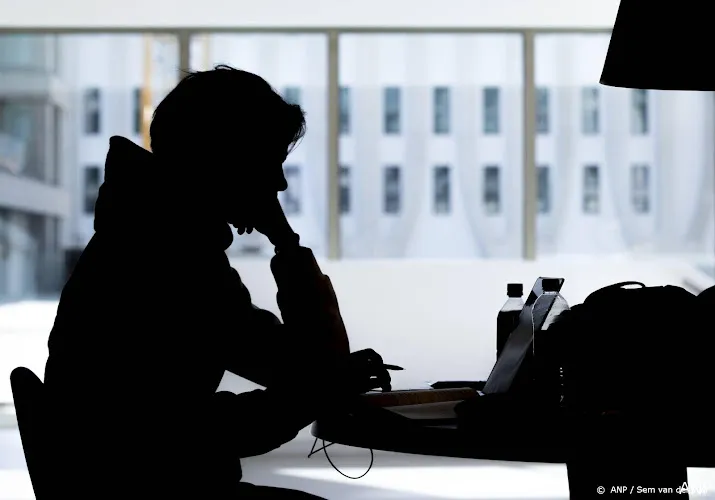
[(270, 220), (361, 371)]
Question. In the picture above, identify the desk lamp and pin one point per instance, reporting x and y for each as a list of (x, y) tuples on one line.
[(662, 45)]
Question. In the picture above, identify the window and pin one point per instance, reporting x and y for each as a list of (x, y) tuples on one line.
[(92, 177), (138, 113), (290, 198), (442, 192), (292, 95), (491, 110), (640, 188), (344, 196), (441, 110), (591, 188), (590, 118), (392, 190), (492, 200), (344, 102), (92, 111), (542, 110), (639, 112), (392, 110), (543, 186)]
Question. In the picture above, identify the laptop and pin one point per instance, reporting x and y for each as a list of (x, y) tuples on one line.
[(519, 343)]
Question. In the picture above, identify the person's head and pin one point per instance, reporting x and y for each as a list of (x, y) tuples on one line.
[(228, 133)]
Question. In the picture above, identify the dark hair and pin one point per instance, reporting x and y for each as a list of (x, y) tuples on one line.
[(204, 104)]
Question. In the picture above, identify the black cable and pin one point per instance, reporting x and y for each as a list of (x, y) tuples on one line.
[(313, 451)]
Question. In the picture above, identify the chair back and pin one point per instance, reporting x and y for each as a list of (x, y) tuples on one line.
[(30, 409)]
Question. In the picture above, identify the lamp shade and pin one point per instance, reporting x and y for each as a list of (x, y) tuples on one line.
[(665, 45)]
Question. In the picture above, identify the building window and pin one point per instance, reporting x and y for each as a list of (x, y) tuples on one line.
[(492, 199), (543, 186), (590, 116), (391, 103), (640, 188), (442, 191), (292, 95), (92, 180), (542, 110), (491, 110), (441, 110), (92, 111), (591, 190), (344, 103), (291, 197), (392, 190), (138, 111), (344, 194), (639, 112)]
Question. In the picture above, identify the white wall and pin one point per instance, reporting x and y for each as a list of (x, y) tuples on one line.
[(309, 13)]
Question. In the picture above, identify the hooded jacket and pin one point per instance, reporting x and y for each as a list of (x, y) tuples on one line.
[(153, 314)]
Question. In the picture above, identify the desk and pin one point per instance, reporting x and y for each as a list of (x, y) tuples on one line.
[(597, 453)]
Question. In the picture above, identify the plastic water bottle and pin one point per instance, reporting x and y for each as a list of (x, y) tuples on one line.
[(508, 317), (548, 376)]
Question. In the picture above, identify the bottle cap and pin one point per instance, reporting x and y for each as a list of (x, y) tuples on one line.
[(515, 290), (550, 284)]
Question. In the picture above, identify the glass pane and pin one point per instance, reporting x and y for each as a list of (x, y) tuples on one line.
[(640, 111), (292, 95), (590, 111), (92, 176), (344, 194), (441, 110), (543, 110), (433, 110), (25, 127), (442, 190), (631, 171), (393, 190), (345, 108), (392, 110), (591, 189), (640, 188), (492, 194), (296, 66), (62, 97), (28, 52), (291, 197), (543, 189), (491, 110), (92, 112)]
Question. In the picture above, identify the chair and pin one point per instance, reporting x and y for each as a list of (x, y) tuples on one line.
[(28, 395)]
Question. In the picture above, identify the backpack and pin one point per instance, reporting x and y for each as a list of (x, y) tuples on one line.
[(632, 348)]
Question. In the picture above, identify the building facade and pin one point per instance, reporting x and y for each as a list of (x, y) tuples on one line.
[(34, 199), (431, 141)]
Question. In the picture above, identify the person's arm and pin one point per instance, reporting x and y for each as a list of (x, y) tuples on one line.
[(313, 328), (260, 421), (305, 295), (257, 422), (308, 302), (258, 343)]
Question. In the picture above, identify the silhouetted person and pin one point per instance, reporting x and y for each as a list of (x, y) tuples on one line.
[(153, 313)]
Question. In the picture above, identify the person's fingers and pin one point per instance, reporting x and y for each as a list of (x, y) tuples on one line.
[(370, 356), (369, 378), (383, 378)]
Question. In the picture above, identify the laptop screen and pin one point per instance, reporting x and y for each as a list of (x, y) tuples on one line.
[(519, 342)]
